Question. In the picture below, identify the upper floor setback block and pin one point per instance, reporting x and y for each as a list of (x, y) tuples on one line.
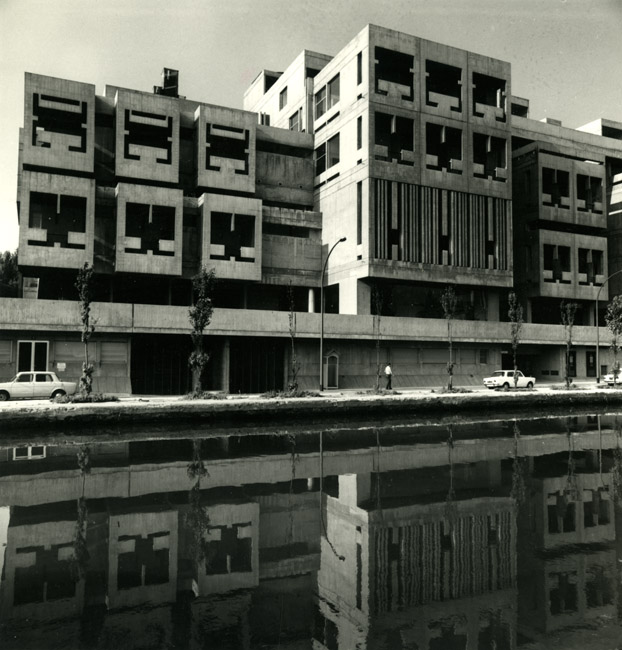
[(59, 123), (56, 220), (147, 136), (149, 230), (225, 148)]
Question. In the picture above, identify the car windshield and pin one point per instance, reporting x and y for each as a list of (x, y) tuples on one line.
[(498, 373)]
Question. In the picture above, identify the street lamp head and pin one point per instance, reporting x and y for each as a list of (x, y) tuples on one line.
[(342, 239)]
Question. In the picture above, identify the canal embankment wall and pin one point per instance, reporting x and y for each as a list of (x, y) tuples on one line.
[(248, 411)]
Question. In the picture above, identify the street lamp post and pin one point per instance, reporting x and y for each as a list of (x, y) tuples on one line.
[(322, 313), (597, 329)]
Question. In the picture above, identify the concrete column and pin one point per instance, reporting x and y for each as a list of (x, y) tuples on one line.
[(224, 377), (354, 297), (311, 301)]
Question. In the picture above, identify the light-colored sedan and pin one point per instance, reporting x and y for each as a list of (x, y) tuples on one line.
[(609, 378), (505, 379), (35, 385)]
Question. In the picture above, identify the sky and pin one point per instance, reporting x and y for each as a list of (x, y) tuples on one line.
[(566, 55)]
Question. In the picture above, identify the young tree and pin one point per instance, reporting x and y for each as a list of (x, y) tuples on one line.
[(376, 296), (449, 303), (515, 314), (83, 284), (568, 313), (200, 316), (294, 363), (613, 319), (8, 268)]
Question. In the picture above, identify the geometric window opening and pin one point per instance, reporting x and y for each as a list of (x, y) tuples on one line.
[(327, 155), (556, 262), (148, 136), (394, 138), (327, 97), (145, 562), (230, 551), (153, 225), (47, 575), (232, 237), (563, 595), (590, 265), (58, 215), (446, 81), (489, 157), (489, 92), (443, 148), (394, 73), (227, 143), (589, 194), (58, 122), (555, 188)]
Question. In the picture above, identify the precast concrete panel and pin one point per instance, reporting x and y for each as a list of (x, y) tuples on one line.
[(59, 123), (225, 148), (147, 136), (149, 229), (231, 242), (57, 226)]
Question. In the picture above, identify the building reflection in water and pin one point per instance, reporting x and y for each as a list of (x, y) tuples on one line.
[(479, 535)]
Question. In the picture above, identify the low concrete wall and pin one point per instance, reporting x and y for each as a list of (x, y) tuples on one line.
[(57, 315)]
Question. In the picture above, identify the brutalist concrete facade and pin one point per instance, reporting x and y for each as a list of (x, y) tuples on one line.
[(416, 152)]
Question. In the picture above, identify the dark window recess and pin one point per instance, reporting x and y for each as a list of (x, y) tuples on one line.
[(58, 115), (359, 68), (226, 142), (283, 98), (157, 135), (327, 155), (489, 157), (489, 92), (268, 81), (233, 232), (563, 596), (443, 148), (590, 264), (47, 579), (589, 194), (150, 225), (443, 85), (285, 230), (58, 216), (231, 553), (394, 72), (394, 139), (327, 97), (359, 213), (483, 356), (295, 121), (555, 188), (359, 132), (155, 562), (311, 73), (556, 262)]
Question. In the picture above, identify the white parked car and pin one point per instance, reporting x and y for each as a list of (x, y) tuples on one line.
[(608, 378), (35, 385), (505, 379)]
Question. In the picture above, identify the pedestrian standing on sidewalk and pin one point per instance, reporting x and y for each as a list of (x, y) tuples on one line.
[(389, 375)]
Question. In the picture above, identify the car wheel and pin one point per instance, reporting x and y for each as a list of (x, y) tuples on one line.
[(530, 385), (506, 386), (58, 393), (4, 396)]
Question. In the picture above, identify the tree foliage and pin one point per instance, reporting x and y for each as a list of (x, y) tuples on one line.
[(613, 319), (83, 284), (9, 274), (568, 313), (200, 316), (449, 304), (515, 314)]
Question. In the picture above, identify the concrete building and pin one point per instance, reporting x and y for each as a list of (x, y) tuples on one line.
[(416, 152)]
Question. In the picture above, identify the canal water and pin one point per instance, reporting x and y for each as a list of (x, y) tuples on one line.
[(468, 533)]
